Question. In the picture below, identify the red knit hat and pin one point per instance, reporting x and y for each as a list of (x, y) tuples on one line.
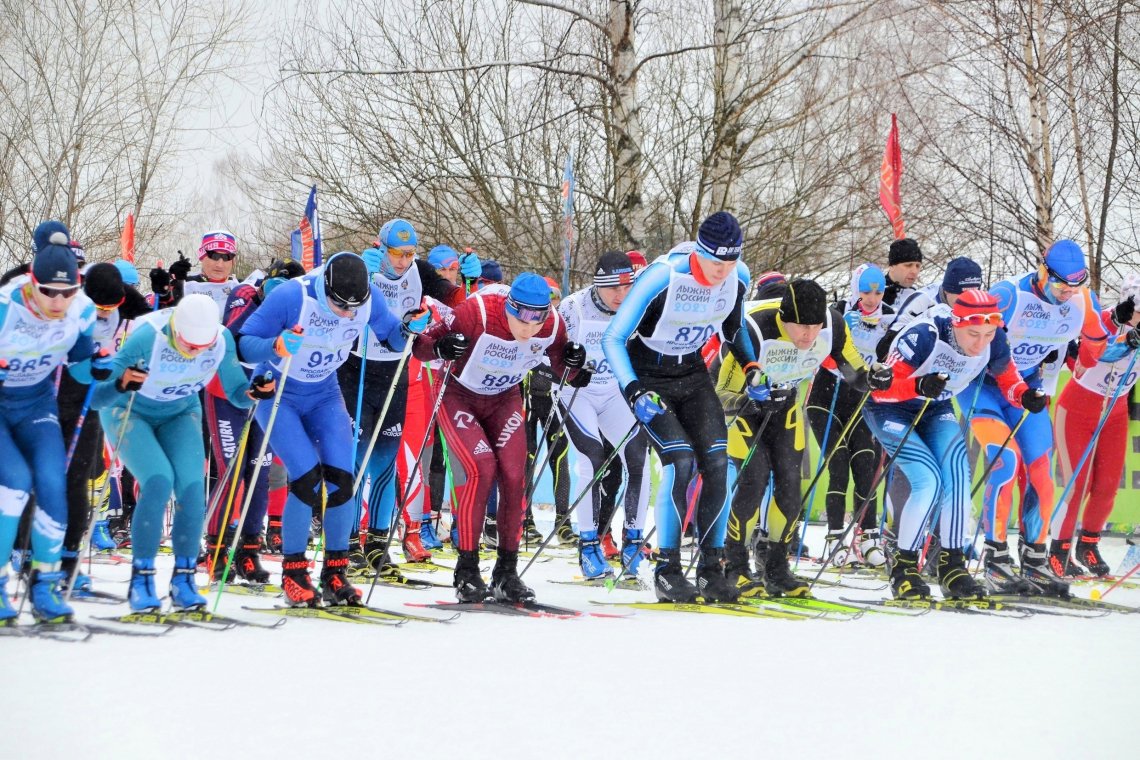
[(976, 306)]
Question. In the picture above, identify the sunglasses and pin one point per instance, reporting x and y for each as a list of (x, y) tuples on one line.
[(991, 318), (220, 256), (50, 291), (526, 313), (183, 343)]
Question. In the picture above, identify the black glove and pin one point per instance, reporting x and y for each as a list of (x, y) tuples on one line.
[(931, 386), (1133, 338), (132, 379), (574, 355), (1034, 400), (1124, 311), (101, 365), (262, 387), (581, 379), (879, 377), (159, 281), (181, 268), (781, 399), (1050, 357), (451, 347)]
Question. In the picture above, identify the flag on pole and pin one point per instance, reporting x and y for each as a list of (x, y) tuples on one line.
[(306, 241), (127, 240), (567, 220), (890, 178)]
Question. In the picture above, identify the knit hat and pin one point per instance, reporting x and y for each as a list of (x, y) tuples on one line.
[(962, 274), (104, 285), (443, 257), (397, 233), (614, 268), (770, 285), (196, 319), (637, 258), (492, 271), (1064, 261), (529, 299), (285, 269), (128, 271), (804, 303), (976, 306), (51, 232), (719, 237), (217, 240), (904, 250), (54, 264), (346, 280), (555, 288)]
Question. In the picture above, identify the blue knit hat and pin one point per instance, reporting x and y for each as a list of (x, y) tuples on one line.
[(962, 274), (128, 271), (719, 237), (55, 265), (492, 271), (1064, 261), (51, 232), (443, 257), (871, 280), (529, 293), (397, 233)]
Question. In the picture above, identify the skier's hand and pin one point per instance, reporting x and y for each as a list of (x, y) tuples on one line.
[(373, 258), (469, 266), (780, 399), (574, 355), (581, 378), (262, 387), (1124, 311), (879, 377), (159, 281), (181, 268), (132, 379), (1034, 400), (931, 386), (646, 405), (101, 364), (1133, 338), (451, 347), (289, 342), (415, 322)]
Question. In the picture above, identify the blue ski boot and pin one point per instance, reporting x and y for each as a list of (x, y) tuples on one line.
[(183, 591), (428, 537), (101, 540), (47, 603), (141, 594), (632, 542), (8, 613), (590, 557), (454, 535), (69, 563)]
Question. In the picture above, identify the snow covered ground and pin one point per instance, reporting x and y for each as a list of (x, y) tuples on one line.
[(657, 684)]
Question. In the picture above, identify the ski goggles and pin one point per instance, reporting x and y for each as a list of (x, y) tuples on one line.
[(525, 313), (1059, 282), (53, 291), (111, 306), (987, 318)]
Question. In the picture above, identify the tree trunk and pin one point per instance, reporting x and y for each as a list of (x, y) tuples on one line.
[(728, 83), (1040, 155), (626, 147)]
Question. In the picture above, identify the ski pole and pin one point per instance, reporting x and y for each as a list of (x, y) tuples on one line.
[(1096, 593), (235, 468), (599, 473), (399, 506), (856, 415), (216, 498), (810, 498), (871, 492), (360, 394), (82, 418), (379, 423), (253, 478), (532, 484)]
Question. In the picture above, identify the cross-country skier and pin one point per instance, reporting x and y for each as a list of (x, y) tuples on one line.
[(961, 274), (216, 258), (904, 265)]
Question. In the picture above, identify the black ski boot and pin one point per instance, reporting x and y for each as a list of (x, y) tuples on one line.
[(1035, 569), (953, 578), (295, 581), (273, 541), (247, 561), (1060, 559), (565, 538), (469, 585), (778, 577), (998, 575), (491, 533), (374, 556), (669, 582), (738, 571), (1088, 553), (711, 581), (335, 588), (530, 532), (505, 582), (217, 549), (906, 581)]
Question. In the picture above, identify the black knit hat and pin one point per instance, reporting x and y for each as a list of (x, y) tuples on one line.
[(720, 237), (103, 284), (286, 269), (804, 303), (614, 269), (346, 280), (904, 250)]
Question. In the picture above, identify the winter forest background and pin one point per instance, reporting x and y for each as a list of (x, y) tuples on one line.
[(1019, 124)]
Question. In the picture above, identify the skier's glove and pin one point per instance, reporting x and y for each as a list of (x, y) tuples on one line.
[(262, 387), (101, 364), (1034, 400), (373, 258), (469, 266), (931, 386), (581, 378), (879, 377), (1133, 338), (159, 281), (415, 322), (780, 399), (289, 342), (181, 268), (1125, 311), (451, 347), (574, 355), (645, 403), (132, 379)]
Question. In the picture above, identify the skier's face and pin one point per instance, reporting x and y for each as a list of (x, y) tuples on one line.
[(451, 274), (613, 296), (974, 339), (906, 273), (401, 258), (802, 336), (217, 266), (53, 301), (715, 271), (870, 299), (521, 330)]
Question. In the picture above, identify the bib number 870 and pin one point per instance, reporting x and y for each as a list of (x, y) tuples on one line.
[(694, 336)]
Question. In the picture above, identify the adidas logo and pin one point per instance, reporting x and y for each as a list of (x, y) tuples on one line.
[(395, 431), (482, 448)]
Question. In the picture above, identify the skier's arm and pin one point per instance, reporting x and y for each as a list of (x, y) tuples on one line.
[(651, 283), (1004, 371), (385, 325), (280, 311), (1094, 336), (912, 349)]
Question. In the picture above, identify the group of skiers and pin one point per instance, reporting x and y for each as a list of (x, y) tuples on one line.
[(345, 404)]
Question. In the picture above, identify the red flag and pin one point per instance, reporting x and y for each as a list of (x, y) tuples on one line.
[(890, 177), (127, 240)]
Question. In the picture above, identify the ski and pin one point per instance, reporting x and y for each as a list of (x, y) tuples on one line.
[(96, 597), (250, 589), (810, 603), (69, 632), (986, 606), (629, 583), (737, 610), (490, 607), (1072, 602), (321, 613), (149, 631), (424, 567), (361, 577), (188, 618), (379, 614)]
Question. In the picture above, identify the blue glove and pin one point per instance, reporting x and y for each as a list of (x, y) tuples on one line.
[(417, 321), (101, 365), (647, 405), (469, 266), (288, 342), (851, 317), (373, 258), (756, 384)]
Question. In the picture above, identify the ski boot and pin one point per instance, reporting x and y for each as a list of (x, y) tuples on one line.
[(141, 594), (953, 578), (1035, 569), (375, 556), (632, 543), (530, 532), (609, 548), (1088, 553), (469, 585), (491, 533), (453, 535), (8, 613), (870, 546), (797, 547), (738, 572), (217, 550), (295, 580), (906, 581), (335, 588), (669, 582), (273, 540), (839, 554), (998, 575), (247, 561), (183, 591), (1061, 562), (778, 577), (565, 537), (590, 559), (929, 567), (505, 582), (47, 603), (428, 537), (711, 581), (69, 563), (414, 550), (101, 540)]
